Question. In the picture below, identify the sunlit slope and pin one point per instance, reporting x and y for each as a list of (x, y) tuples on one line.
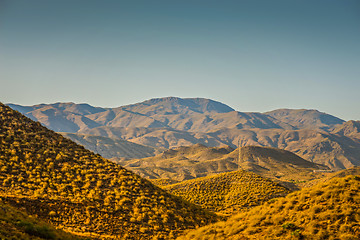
[(198, 161), (326, 211), (16, 225), (183, 163), (331, 175), (276, 163), (81, 192), (228, 192)]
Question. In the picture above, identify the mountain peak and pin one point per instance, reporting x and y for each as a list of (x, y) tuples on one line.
[(177, 105)]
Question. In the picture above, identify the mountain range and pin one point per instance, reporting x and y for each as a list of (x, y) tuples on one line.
[(172, 122)]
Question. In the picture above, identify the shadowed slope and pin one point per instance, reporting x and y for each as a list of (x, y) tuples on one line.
[(15, 224)]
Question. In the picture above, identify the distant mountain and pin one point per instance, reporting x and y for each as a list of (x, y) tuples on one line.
[(47, 175), (325, 211), (349, 129), (163, 137), (112, 147), (334, 150), (304, 118), (228, 193), (198, 161), (173, 122), (188, 114)]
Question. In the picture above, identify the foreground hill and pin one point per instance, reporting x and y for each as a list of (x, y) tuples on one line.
[(198, 161), (173, 122), (228, 193), (325, 211), (78, 191), (16, 225)]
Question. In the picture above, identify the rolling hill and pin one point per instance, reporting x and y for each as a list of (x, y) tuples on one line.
[(172, 122), (198, 161), (325, 211), (49, 176), (183, 163), (228, 193)]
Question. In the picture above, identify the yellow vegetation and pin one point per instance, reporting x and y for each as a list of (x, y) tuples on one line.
[(228, 192), (79, 191), (326, 211)]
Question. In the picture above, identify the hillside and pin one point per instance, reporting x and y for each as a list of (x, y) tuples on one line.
[(198, 161), (305, 119), (112, 147), (348, 129), (326, 211), (16, 225), (183, 163), (173, 122), (228, 193), (156, 137), (78, 191), (329, 176), (335, 150), (276, 163)]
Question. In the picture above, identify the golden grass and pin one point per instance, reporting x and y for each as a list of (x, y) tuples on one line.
[(79, 191), (326, 211)]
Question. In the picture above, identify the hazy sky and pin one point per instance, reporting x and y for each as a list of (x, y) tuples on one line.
[(251, 55)]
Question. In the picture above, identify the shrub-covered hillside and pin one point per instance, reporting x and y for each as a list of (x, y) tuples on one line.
[(228, 192), (79, 191), (326, 211)]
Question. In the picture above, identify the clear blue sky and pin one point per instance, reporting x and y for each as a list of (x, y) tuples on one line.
[(251, 55)]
